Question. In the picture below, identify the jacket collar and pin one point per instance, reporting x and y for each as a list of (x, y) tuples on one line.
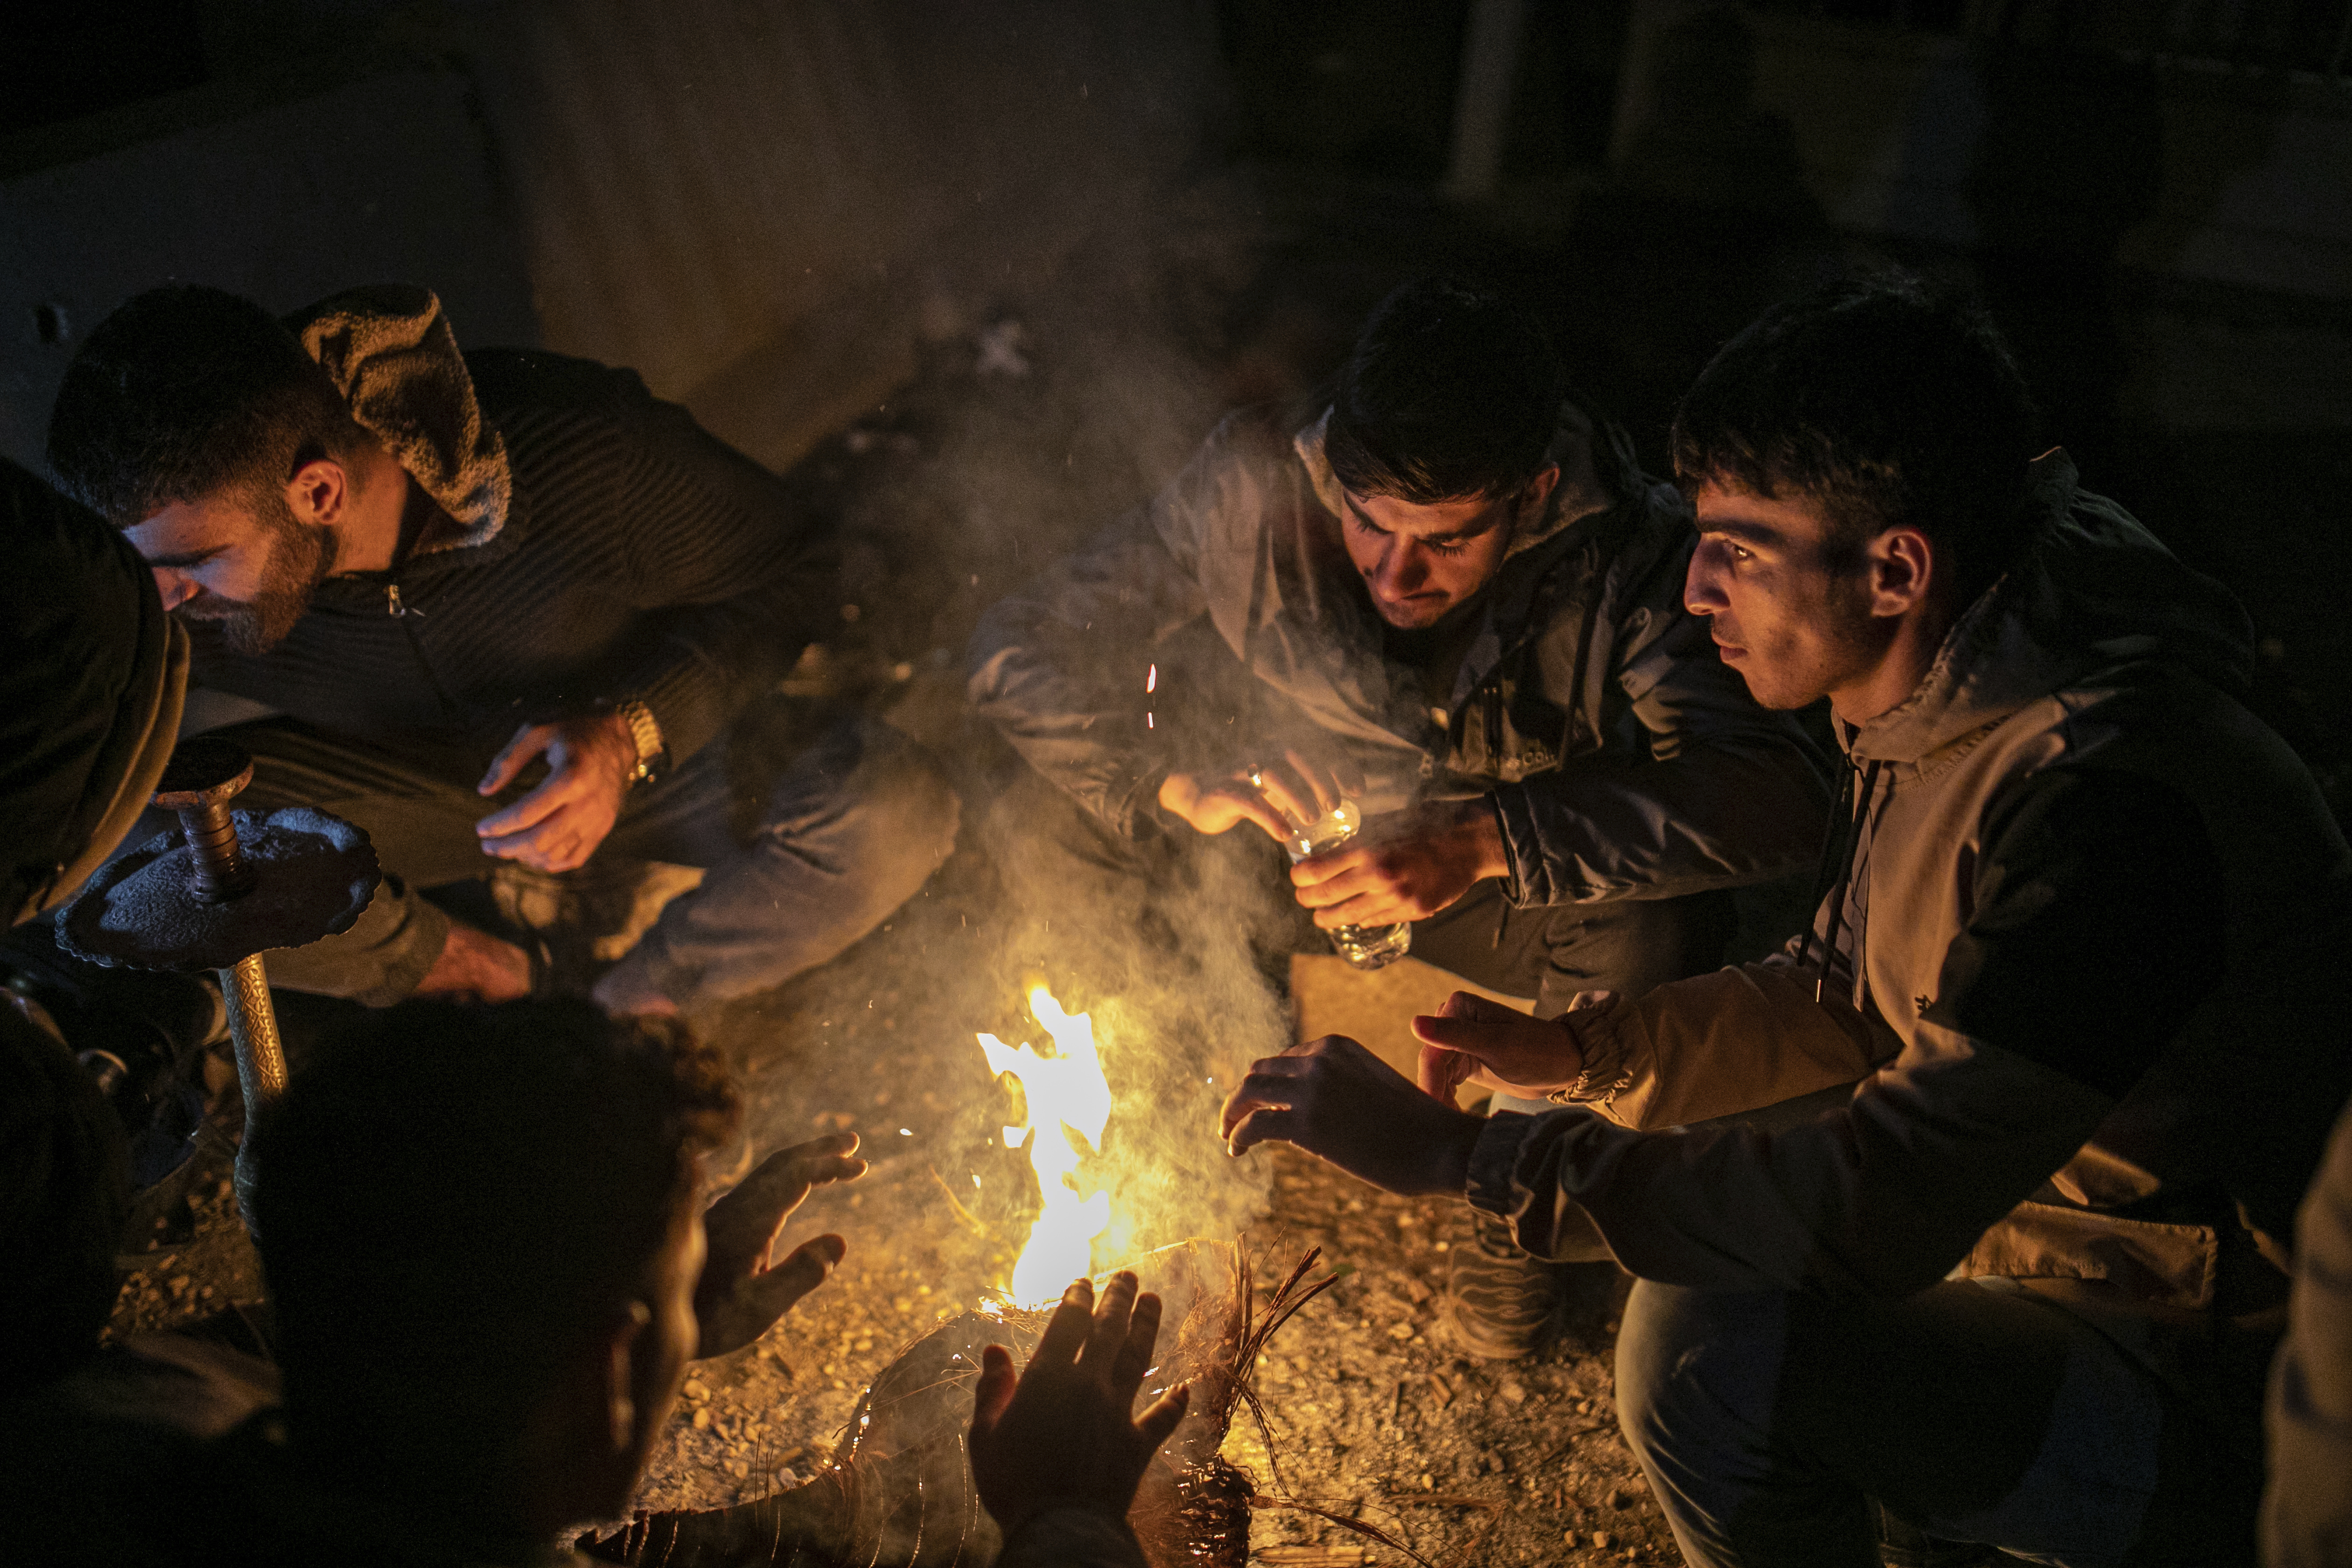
[(2092, 593), (390, 351)]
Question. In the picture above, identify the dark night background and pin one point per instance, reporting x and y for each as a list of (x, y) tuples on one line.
[(792, 218)]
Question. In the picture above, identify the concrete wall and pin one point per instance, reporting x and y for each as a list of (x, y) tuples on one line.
[(2195, 170), (764, 207), (284, 201)]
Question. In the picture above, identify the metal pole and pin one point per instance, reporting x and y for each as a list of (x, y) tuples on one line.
[(199, 785)]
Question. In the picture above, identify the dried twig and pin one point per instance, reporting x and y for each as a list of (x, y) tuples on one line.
[(961, 1213)]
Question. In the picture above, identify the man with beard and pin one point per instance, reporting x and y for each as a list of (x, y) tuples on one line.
[(2089, 914), (445, 572), (1443, 591)]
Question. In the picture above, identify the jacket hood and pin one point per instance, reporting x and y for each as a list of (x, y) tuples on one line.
[(392, 354), (92, 677), (2093, 592), (1580, 493)]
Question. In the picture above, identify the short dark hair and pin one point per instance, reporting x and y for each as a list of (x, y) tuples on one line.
[(1891, 402), (449, 1199), (1453, 393), (188, 391)]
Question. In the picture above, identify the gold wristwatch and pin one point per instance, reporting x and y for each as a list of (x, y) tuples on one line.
[(646, 735)]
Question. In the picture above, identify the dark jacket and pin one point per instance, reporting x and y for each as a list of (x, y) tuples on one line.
[(1623, 759), (92, 676), (2094, 927), (595, 545)]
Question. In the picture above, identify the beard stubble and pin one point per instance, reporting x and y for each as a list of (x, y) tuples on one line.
[(299, 560)]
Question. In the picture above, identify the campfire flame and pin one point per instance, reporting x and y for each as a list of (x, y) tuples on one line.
[(1068, 1098)]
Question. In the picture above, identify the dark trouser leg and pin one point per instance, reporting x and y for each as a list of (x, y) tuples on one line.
[(850, 828), (1767, 1421)]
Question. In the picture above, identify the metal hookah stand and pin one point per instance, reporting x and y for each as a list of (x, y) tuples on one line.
[(217, 893)]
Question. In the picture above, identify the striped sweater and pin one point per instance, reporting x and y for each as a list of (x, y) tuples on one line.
[(639, 558)]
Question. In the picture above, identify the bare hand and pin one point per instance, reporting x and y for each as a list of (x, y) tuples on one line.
[(1061, 1436), (738, 1296), (1404, 868), (1473, 1040), (1340, 1102), (1285, 795), (559, 824)]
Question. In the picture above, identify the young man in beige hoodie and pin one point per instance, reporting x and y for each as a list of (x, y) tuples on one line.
[(2083, 917)]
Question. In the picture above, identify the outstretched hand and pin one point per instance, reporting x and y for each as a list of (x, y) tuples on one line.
[(1336, 1101), (740, 1297), (558, 826), (1279, 796), (1473, 1040), (1060, 1436)]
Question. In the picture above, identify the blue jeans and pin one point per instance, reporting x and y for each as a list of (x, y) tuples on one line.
[(1977, 1411), (809, 841)]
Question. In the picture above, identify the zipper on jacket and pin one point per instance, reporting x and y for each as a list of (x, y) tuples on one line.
[(403, 613)]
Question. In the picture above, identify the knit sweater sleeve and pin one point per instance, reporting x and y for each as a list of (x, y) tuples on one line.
[(735, 580)]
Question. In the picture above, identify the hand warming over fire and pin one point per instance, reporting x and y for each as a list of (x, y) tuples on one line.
[(1061, 1436), (558, 826), (738, 1296), (1473, 1040), (1280, 797), (1340, 1102), (1405, 868)]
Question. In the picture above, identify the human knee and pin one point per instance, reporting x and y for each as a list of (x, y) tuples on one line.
[(905, 812), (892, 814), (1688, 1359)]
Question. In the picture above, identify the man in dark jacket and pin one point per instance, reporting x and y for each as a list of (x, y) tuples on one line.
[(1449, 595), (2082, 940), (442, 570), (92, 677)]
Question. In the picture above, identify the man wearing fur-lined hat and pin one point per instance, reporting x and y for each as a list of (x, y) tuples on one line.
[(444, 570)]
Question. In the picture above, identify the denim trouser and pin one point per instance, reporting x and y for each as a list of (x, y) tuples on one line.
[(808, 847), (1975, 1411)]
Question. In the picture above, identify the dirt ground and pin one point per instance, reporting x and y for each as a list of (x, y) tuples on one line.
[(1373, 1417)]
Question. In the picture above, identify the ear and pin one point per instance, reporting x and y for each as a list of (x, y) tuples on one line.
[(1902, 571), (622, 1342), (1539, 490), (319, 492)]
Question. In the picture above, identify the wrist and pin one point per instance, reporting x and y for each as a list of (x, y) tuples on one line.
[(1480, 829), (641, 747), (1451, 1172)]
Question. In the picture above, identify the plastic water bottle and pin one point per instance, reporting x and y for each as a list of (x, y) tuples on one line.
[(1366, 947)]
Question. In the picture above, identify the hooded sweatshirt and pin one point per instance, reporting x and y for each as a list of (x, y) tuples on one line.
[(2089, 932), (590, 544), (1622, 759)]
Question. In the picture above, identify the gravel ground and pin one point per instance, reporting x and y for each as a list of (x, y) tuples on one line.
[(1371, 1416)]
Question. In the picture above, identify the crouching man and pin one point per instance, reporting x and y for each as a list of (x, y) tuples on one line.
[(1445, 591), (444, 570), (2020, 1289)]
